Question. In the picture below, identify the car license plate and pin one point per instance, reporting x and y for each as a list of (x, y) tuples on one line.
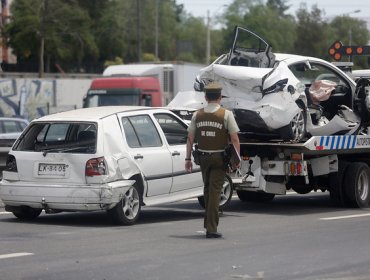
[(52, 169)]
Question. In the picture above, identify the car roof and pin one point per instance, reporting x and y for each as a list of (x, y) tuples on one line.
[(93, 113), (292, 58)]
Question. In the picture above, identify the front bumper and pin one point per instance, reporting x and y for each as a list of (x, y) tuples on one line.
[(63, 197)]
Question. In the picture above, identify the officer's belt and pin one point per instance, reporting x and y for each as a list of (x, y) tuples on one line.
[(210, 153)]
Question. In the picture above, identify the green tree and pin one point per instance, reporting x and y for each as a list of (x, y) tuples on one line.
[(193, 31), (59, 30), (278, 5), (269, 21), (235, 15), (278, 30), (115, 29), (313, 33)]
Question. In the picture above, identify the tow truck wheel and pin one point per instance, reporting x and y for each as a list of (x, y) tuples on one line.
[(254, 196), (357, 184), (26, 213), (226, 194), (127, 211)]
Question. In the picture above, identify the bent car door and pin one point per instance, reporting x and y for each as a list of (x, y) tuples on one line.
[(149, 152)]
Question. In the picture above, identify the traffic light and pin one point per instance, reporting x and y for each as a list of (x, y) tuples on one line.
[(337, 50)]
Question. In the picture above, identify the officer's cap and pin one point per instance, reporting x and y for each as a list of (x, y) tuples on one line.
[(213, 87)]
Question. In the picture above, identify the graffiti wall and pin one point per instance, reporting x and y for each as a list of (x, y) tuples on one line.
[(33, 98)]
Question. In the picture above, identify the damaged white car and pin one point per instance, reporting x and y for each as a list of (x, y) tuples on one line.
[(104, 158), (283, 96)]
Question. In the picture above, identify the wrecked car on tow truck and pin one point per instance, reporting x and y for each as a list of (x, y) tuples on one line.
[(284, 96)]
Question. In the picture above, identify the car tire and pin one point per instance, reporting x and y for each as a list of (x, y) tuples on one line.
[(296, 130), (248, 196), (128, 210), (357, 184), (26, 213), (226, 194)]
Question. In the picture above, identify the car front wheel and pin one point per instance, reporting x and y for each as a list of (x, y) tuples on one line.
[(127, 211)]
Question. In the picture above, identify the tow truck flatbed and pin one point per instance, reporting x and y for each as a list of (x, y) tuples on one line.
[(337, 163), (318, 145)]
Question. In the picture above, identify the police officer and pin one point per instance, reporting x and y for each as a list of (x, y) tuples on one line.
[(212, 127)]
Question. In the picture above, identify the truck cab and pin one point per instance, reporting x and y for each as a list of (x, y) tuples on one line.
[(137, 91)]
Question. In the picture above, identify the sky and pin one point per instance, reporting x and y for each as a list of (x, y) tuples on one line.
[(332, 8)]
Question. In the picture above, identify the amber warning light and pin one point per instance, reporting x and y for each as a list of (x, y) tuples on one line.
[(337, 50)]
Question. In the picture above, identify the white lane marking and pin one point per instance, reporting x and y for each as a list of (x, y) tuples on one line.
[(345, 217), (15, 255)]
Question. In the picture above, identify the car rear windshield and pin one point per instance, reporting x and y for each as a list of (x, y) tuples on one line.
[(59, 137)]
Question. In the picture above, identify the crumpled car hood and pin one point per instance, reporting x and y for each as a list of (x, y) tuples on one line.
[(248, 83)]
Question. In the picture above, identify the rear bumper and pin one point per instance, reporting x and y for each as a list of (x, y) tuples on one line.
[(63, 197)]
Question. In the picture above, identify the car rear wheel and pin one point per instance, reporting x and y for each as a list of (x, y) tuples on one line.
[(127, 211), (226, 194), (26, 213)]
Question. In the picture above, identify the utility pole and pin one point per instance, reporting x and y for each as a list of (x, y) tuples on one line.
[(156, 28), (208, 48), (138, 31)]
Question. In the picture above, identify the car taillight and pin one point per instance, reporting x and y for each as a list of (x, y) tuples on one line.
[(11, 164), (95, 167)]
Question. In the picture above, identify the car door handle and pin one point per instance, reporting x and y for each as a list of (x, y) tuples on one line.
[(175, 153), (138, 156)]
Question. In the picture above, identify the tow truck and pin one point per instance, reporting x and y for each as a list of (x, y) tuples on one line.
[(337, 163)]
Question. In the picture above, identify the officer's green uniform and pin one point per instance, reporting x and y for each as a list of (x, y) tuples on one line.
[(211, 127), (212, 138)]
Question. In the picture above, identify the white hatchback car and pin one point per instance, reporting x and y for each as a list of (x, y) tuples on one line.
[(103, 158)]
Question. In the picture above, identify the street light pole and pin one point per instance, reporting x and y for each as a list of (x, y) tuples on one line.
[(138, 26), (350, 29), (208, 47), (156, 27)]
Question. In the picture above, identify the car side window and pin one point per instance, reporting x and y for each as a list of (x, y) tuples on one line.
[(140, 131), (174, 131), (316, 73)]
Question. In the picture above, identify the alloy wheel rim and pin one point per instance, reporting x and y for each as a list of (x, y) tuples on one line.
[(131, 203), (298, 125), (225, 192)]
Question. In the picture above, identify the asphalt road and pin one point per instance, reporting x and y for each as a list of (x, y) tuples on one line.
[(293, 237)]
